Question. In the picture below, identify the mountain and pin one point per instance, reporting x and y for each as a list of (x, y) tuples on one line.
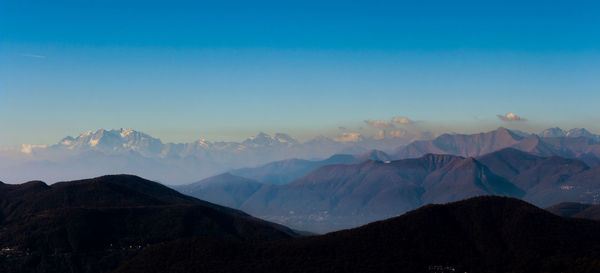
[(576, 144), (335, 196), (113, 141), (483, 234), (92, 225), (573, 133), (286, 171), (580, 132), (463, 145), (263, 139), (544, 178), (102, 152), (553, 132), (341, 196), (583, 187), (577, 210), (224, 189)]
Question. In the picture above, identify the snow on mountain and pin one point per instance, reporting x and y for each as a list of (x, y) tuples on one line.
[(263, 139), (573, 133), (128, 151), (580, 132), (553, 132), (113, 141)]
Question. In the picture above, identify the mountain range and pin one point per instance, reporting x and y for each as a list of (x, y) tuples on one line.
[(576, 143), (345, 194), (129, 151), (123, 223)]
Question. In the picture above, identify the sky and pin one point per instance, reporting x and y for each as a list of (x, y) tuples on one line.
[(226, 70)]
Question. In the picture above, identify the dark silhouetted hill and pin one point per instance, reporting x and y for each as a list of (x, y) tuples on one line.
[(483, 234), (92, 225)]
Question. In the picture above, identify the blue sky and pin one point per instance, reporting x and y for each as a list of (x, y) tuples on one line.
[(225, 70)]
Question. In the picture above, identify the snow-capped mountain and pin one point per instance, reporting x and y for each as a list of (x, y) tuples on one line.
[(128, 151), (580, 132), (552, 132), (114, 141), (573, 133), (263, 139)]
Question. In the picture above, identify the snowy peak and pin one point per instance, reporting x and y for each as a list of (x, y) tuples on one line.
[(114, 141), (263, 139), (573, 133), (285, 138), (553, 132), (580, 132)]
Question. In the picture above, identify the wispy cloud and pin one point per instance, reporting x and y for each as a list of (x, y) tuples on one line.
[(511, 117), (34, 56)]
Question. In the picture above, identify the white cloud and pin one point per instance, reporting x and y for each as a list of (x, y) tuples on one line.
[(511, 117), (379, 123), (402, 120), (349, 137), (28, 148)]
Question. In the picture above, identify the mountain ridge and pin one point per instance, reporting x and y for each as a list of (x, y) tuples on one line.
[(482, 234), (338, 196), (92, 225)]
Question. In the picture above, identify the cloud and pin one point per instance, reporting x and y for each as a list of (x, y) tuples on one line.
[(511, 117), (34, 56), (342, 128), (349, 137), (389, 134), (398, 133), (28, 148), (402, 120), (379, 123)]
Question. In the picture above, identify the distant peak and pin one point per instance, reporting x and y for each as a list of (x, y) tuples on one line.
[(431, 156), (553, 132), (263, 134), (126, 132), (579, 132)]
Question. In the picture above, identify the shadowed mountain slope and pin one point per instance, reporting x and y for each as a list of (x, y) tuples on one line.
[(484, 234), (546, 179), (342, 196), (92, 225), (225, 189), (286, 171), (348, 195), (577, 210)]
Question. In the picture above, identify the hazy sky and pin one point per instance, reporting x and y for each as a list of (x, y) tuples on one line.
[(224, 70)]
